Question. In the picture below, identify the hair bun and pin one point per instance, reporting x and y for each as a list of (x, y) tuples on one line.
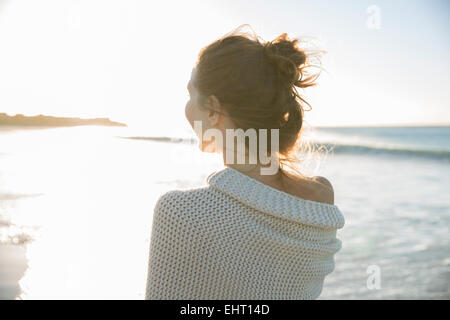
[(288, 58)]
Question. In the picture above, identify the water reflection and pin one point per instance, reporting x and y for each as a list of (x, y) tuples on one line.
[(90, 213)]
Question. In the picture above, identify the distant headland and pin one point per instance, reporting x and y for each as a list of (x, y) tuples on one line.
[(49, 121)]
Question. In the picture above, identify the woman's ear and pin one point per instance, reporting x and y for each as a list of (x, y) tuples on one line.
[(214, 110)]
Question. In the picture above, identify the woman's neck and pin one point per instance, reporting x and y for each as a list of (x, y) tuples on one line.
[(254, 171)]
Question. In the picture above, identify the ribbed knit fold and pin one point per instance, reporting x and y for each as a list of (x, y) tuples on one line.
[(267, 199), (237, 238)]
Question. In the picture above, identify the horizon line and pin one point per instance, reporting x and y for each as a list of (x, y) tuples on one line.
[(363, 125), (418, 124)]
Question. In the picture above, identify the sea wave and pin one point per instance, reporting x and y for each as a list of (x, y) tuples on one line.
[(339, 148), (336, 148), (162, 139)]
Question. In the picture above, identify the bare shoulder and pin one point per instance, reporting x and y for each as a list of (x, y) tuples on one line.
[(324, 181), (318, 189), (326, 189)]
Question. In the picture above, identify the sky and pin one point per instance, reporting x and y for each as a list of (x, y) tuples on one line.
[(387, 62)]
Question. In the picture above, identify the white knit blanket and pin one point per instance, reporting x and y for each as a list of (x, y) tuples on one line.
[(238, 238)]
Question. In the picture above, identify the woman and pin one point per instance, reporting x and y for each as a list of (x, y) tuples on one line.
[(246, 234)]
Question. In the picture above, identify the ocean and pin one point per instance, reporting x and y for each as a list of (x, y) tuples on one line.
[(76, 207)]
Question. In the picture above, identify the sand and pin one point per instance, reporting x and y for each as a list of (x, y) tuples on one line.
[(13, 264)]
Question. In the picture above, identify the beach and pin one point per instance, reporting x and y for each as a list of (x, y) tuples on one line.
[(76, 207)]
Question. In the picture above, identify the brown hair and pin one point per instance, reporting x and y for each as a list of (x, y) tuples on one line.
[(256, 82)]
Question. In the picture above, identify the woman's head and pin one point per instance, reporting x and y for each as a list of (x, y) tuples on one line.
[(242, 82)]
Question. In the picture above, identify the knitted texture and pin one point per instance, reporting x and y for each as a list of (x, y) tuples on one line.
[(237, 238)]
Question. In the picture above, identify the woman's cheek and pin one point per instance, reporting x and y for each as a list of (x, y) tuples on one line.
[(188, 112)]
